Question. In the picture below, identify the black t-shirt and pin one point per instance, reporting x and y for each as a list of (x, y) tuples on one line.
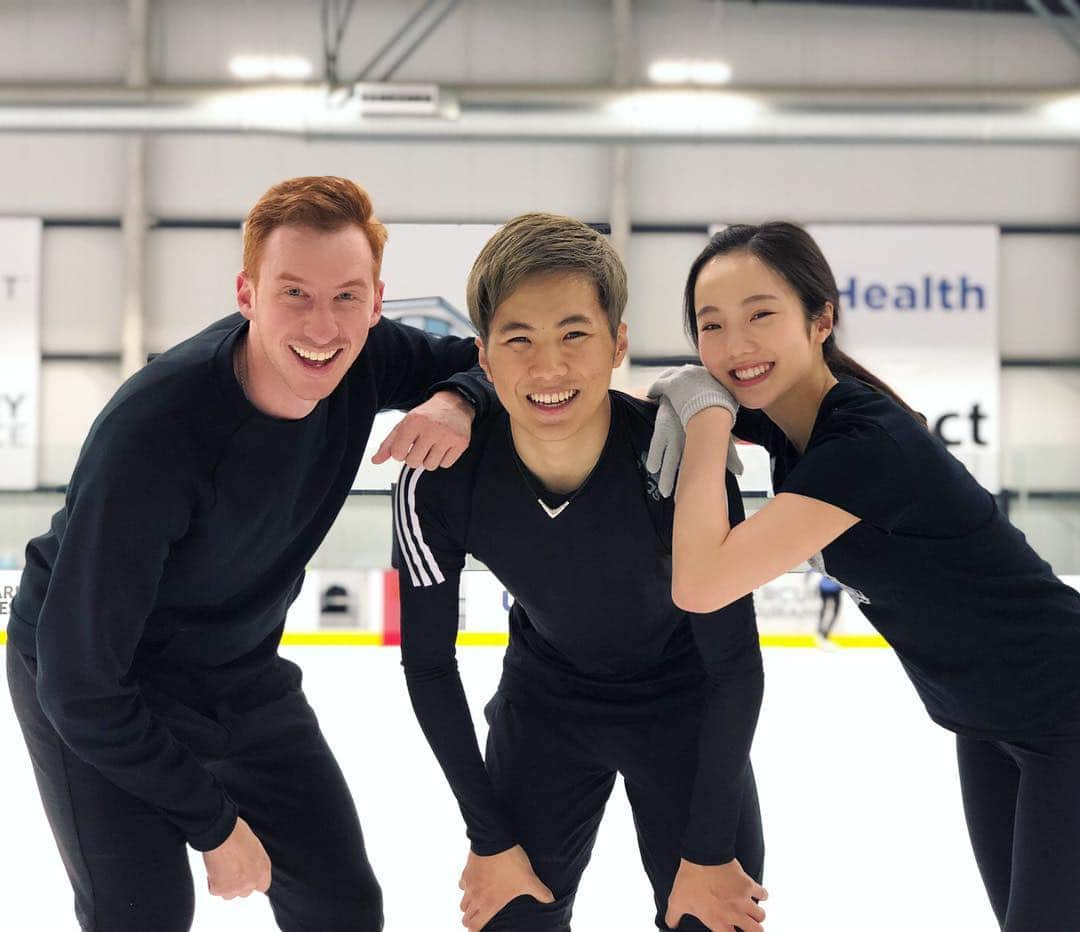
[(593, 630), (987, 633), (187, 524)]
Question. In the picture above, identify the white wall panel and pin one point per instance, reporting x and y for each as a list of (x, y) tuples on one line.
[(569, 41), (656, 268), (481, 41), (72, 394), (731, 183), (38, 39), (82, 290), (62, 175), (221, 177), (803, 43), (193, 40), (1040, 297), (191, 282), (500, 42), (1040, 428)]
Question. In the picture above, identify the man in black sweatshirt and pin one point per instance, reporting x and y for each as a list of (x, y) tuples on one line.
[(143, 641)]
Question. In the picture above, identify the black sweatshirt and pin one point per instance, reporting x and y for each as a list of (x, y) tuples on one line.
[(593, 630), (187, 524), (986, 632)]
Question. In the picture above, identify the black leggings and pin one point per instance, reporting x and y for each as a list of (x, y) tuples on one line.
[(553, 773), (128, 864), (1022, 804)]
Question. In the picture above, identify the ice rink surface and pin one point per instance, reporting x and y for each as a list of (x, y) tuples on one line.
[(863, 824)]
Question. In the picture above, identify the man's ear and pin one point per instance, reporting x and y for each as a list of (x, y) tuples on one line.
[(622, 345), (376, 307), (483, 360), (245, 295)]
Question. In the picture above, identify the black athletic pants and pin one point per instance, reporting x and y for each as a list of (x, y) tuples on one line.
[(128, 864), (1022, 803), (553, 774)]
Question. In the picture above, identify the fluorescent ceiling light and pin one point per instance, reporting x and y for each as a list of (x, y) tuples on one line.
[(669, 71), (270, 67), (689, 71), (710, 72), (1065, 112)]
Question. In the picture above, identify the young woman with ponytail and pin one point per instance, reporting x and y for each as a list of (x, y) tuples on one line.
[(988, 635)]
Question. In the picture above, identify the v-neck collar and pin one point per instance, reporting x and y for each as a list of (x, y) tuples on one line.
[(555, 503)]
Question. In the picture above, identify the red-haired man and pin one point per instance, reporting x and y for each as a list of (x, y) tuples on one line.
[(143, 657)]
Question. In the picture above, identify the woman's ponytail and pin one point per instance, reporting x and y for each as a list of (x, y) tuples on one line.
[(840, 363)]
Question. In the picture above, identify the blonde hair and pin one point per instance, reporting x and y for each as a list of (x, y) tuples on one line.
[(542, 244)]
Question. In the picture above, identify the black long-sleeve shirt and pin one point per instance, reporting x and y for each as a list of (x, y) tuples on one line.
[(593, 630), (187, 524), (988, 635)]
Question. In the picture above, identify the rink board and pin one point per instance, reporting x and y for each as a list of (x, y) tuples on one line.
[(359, 608)]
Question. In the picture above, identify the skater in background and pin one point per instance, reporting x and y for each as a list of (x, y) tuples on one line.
[(829, 593), (987, 633)]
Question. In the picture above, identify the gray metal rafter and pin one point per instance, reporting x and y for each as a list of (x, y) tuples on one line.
[(403, 43), (1061, 28)]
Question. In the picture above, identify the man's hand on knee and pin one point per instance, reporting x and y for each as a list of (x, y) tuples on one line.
[(239, 866), (492, 882), (432, 435), (724, 897)]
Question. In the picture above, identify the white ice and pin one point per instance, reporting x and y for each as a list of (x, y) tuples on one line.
[(863, 825)]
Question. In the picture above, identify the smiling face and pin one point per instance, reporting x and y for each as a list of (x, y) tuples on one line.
[(311, 309), (753, 335), (549, 353)]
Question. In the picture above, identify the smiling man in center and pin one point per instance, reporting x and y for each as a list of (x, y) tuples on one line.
[(603, 674)]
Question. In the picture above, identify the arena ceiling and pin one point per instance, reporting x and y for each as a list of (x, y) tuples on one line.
[(1056, 7)]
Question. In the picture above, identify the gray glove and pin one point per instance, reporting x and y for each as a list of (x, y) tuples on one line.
[(669, 434), (690, 389), (666, 448)]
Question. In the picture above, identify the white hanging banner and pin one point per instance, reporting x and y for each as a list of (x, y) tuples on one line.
[(918, 308), (20, 350)]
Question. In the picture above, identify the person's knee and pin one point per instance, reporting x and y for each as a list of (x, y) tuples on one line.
[(526, 914), (315, 911), (164, 909)]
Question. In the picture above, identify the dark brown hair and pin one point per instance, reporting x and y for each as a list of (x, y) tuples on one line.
[(791, 253)]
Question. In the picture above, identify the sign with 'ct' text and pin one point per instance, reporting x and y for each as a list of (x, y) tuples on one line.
[(20, 352), (918, 308)]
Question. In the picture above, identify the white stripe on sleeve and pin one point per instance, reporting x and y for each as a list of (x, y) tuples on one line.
[(432, 563), (423, 568)]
